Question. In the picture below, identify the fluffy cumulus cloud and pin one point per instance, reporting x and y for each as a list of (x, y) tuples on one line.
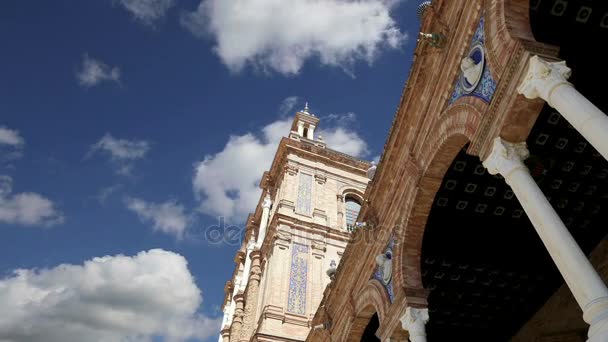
[(147, 11), (122, 152), (111, 298), (226, 183), (168, 217), (93, 71), (26, 208), (281, 35)]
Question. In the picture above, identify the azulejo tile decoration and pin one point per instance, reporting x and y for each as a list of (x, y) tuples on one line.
[(296, 301), (303, 205), (381, 275), (485, 86)]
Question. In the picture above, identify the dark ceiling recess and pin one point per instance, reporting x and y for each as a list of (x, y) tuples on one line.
[(369, 334), (486, 267)]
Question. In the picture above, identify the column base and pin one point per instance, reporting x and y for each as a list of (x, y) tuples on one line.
[(596, 314)]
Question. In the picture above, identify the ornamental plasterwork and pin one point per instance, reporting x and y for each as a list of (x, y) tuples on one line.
[(475, 78)]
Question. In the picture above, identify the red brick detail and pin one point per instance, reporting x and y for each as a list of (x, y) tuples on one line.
[(456, 127)]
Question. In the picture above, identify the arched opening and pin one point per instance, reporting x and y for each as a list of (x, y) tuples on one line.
[(305, 133), (486, 268), (369, 334), (352, 206)]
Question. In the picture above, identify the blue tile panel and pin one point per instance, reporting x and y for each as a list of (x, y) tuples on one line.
[(378, 273), (296, 301), (487, 86), (303, 205)]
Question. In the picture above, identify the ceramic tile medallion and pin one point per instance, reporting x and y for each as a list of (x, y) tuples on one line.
[(384, 269), (475, 78), (296, 302)]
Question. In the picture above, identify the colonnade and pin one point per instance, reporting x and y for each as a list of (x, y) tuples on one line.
[(548, 81)]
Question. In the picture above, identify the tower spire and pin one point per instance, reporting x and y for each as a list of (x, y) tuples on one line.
[(305, 110)]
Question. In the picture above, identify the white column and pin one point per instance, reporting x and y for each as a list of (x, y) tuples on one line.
[(237, 286), (548, 80), (586, 285), (311, 132), (264, 220), (246, 270), (414, 322), (301, 128)]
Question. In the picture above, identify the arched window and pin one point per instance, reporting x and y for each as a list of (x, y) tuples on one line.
[(352, 211)]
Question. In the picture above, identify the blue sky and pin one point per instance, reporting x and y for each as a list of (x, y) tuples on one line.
[(128, 126)]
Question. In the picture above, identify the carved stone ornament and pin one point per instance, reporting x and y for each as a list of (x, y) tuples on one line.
[(414, 320), (291, 170), (321, 179), (506, 157), (543, 77)]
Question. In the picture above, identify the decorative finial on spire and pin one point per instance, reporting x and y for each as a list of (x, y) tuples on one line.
[(305, 110)]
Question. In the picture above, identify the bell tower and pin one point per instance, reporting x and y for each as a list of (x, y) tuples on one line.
[(309, 200)]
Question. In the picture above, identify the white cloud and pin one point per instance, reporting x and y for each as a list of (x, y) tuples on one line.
[(105, 193), (281, 35), (168, 217), (343, 140), (226, 183), (10, 137), (288, 104), (26, 208), (147, 11), (93, 71), (110, 298), (122, 152)]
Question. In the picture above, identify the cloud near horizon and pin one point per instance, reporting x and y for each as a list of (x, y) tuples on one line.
[(226, 183), (280, 36), (112, 298)]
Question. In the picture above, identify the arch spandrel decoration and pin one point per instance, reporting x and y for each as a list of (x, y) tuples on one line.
[(384, 269), (485, 86)]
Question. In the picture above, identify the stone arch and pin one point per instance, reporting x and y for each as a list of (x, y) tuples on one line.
[(351, 191), (455, 129), (372, 299), (507, 30)]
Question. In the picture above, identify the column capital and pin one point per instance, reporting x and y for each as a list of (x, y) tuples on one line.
[(239, 297), (506, 157), (414, 320), (543, 77)]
